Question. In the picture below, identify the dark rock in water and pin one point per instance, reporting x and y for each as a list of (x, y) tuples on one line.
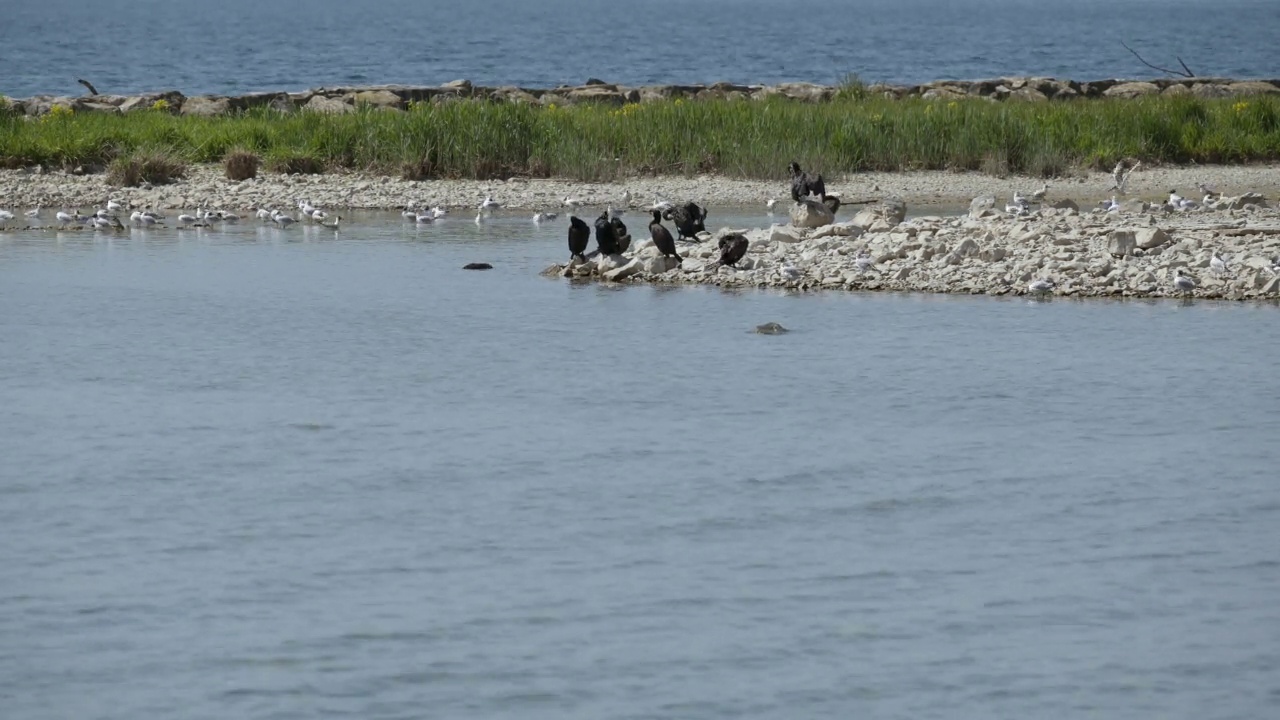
[(772, 328), (477, 266)]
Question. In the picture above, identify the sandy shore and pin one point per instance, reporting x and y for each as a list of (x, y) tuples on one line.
[(205, 186)]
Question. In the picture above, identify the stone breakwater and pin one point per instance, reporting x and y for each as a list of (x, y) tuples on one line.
[(397, 97), (1134, 252)]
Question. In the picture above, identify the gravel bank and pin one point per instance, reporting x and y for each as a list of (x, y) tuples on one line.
[(205, 186)]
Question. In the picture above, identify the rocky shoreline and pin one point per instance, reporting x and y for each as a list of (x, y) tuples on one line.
[(207, 186), (397, 97), (1056, 249)]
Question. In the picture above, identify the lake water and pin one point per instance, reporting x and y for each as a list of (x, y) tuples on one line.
[(283, 474), (239, 45)]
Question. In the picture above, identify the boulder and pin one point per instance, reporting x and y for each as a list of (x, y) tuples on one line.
[(1243, 201), (332, 106), (626, 271), (1210, 90), (966, 248), (597, 94), (1064, 204), (206, 105), (810, 214), (1132, 89), (1252, 87), (979, 206), (659, 265), (783, 234), (1148, 238), (605, 263), (378, 98), (1122, 242)]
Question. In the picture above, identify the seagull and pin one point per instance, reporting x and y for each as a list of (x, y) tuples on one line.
[(1183, 283), (572, 203), (438, 212), (282, 219), (1038, 195), (1017, 208), (408, 214), (114, 205), (540, 216), (35, 213), (152, 214), (64, 217), (5, 216), (489, 205), (1175, 200), (102, 223), (864, 261), (227, 217), (147, 219), (333, 225), (81, 218), (661, 205), (317, 214), (1111, 205), (306, 207), (1040, 286), (186, 219), (1020, 199), (791, 272), (1217, 264), (264, 214), (1208, 191), (425, 217), (769, 204), (626, 198)]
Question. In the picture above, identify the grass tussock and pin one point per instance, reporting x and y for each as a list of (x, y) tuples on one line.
[(240, 164), (155, 167), (756, 139)]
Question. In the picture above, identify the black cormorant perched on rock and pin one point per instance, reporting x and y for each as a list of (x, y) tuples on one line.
[(606, 240), (732, 248), (690, 219), (803, 186), (579, 236), (662, 238), (620, 234)]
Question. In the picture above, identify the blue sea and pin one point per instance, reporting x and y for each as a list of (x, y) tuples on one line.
[(235, 46)]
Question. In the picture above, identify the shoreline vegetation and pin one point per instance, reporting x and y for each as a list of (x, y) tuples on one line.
[(604, 134)]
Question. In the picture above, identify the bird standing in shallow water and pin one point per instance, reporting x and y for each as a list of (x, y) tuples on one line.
[(1183, 283), (579, 236), (662, 237), (1040, 286)]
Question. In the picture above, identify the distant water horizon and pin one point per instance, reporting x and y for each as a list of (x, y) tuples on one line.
[(239, 46)]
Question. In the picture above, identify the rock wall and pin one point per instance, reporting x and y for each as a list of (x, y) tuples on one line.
[(396, 97)]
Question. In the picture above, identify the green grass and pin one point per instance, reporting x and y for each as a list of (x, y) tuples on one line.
[(739, 138)]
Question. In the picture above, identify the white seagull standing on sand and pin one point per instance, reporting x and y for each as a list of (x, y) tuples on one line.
[(1216, 263), (1038, 195), (1183, 283)]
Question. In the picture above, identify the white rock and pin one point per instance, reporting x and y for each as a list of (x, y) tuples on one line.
[(626, 271), (1122, 242), (1148, 238), (785, 235), (607, 263), (660, 264), (810, 214)]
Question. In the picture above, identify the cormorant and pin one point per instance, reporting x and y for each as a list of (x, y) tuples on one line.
[(662, 238), (606, 240), (579, 236), (732, 249), (689, 219), (803, 186), (619, 232)]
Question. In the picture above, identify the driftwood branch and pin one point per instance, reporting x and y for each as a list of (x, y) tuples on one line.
[(89, 85), (1185, 72)]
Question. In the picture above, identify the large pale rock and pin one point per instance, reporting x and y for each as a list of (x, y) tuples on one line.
[(1210, 90), (1252, 87), (660, 264), (378, 98), (1249, 198), (605, 263), (206, 105), (785, 235), (810, 214), (1132, 89), (626, 271), (1122, 242), (979, 207), (332, 106), (839, 230), (1148, 238)]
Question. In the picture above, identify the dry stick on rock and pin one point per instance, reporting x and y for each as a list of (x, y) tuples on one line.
[(1185, 73), (89, 85)]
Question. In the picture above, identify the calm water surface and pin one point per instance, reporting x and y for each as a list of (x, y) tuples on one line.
[(271, 474), (238, 45)]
